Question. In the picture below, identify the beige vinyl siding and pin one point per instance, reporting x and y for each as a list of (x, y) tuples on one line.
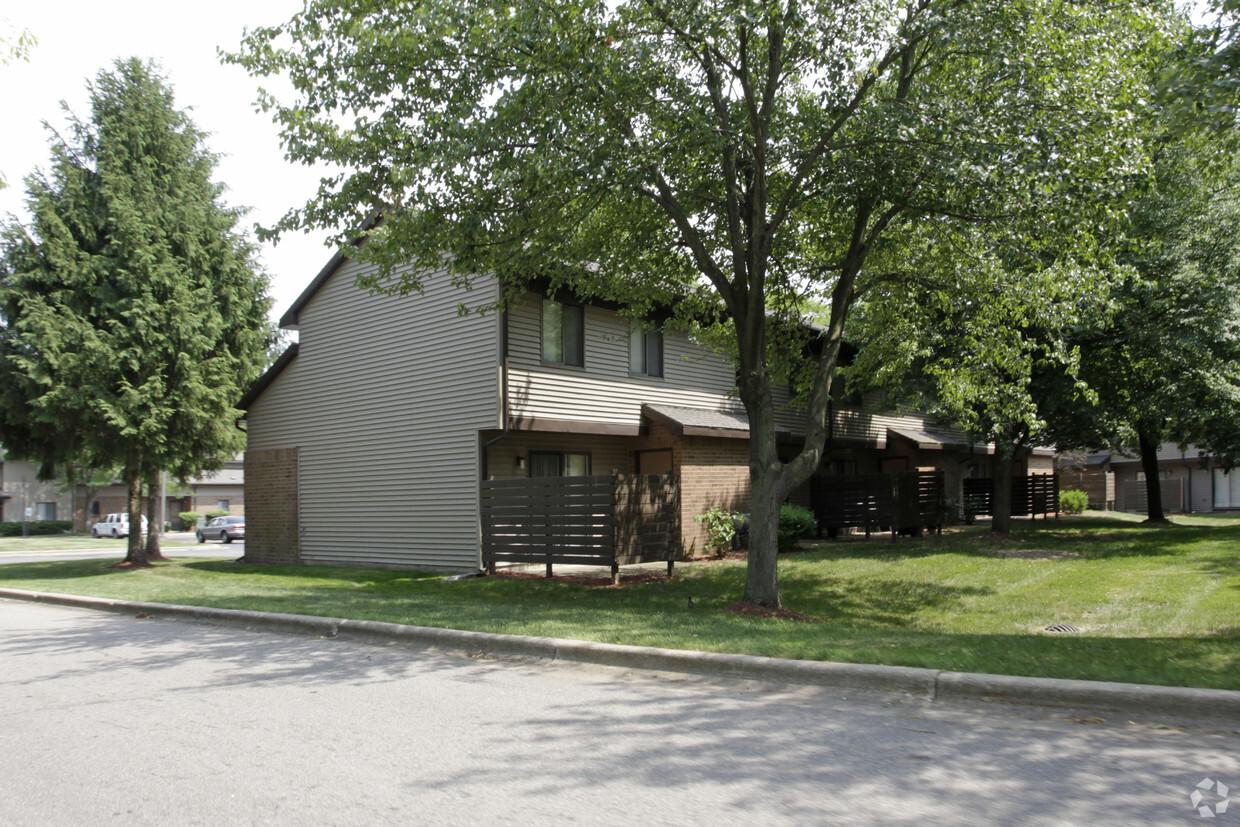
[(384, 402), (604, 390), (868, 421), (20, 480)]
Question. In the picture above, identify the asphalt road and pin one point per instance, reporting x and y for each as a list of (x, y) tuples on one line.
[(175, 545), (114, 719)]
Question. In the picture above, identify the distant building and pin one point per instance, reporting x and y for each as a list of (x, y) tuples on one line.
[(222, 490), (20, 489), (1192, 481)]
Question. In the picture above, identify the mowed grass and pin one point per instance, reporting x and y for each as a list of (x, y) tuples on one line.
[(1154, 605)]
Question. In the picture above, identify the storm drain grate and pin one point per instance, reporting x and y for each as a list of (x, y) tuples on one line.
[(1061, 627)]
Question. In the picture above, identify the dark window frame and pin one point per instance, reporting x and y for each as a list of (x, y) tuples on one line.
[(566, 346), (562, 461), (641, 364)]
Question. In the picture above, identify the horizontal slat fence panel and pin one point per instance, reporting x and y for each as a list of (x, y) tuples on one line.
[(1031, 495), (906, 501), (604, 520)]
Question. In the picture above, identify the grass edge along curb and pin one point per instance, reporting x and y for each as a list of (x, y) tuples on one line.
[(1170, 702)]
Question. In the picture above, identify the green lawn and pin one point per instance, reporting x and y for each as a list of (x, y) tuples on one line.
[(1155, 605)]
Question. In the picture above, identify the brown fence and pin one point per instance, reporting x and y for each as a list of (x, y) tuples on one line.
[(904, 501), (1031, 495), (605, 520), (1136, 498)]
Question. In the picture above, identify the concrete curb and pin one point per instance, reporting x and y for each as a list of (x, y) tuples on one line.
[(1167, 703)]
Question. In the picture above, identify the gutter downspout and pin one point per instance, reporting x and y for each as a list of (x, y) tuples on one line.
[(503, 403), (503, 411)]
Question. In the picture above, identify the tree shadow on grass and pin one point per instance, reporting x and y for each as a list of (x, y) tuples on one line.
[(1092, 538)]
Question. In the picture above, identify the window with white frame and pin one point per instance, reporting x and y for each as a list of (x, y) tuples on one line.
[(563, 334), (45, 511), (645, 351)]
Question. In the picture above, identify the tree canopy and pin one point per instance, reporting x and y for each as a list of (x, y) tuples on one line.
[(1165, 361), (132, 312), (733, 153)]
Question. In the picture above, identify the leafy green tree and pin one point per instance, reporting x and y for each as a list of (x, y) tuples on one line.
[(1005, 372), (132, 313), (739, 153), (1202, 85), (1166, 363), (14, 45)]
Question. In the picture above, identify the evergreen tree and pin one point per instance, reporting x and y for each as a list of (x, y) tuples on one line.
[(132, 312)]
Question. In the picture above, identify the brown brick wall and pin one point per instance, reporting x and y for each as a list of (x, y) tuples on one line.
[(271, 520), (713, 472)]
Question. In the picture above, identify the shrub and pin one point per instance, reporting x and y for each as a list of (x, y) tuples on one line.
[(36, 527), (1073, 501), (216, 512), (720, 529), (795, 523), (189, 519)]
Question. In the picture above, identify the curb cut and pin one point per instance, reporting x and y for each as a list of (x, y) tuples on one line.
[(1219, 706)]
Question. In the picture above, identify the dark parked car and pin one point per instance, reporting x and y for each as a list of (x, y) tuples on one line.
[(223, 528)]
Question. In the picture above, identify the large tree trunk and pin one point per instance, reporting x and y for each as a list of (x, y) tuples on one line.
[(1153, 482), (762, 573), (770, 478), (152, 516), (1001, 502), (136, 556)]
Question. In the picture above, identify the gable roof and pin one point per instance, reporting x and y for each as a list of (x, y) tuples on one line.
[(291, 320)]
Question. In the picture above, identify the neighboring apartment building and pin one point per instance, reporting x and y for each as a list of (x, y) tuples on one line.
[(367, 441), (1191, 482), (23, 497), (222, 490), (54, 500)]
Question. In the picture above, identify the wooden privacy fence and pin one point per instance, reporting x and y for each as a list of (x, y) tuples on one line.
[(903, 501), (1136, 496), (1031, 495), (604, 520)]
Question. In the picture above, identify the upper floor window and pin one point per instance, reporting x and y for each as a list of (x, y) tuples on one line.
[(842, 393), (645, 351), (563, 334)]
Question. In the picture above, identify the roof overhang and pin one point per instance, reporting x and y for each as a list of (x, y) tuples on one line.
[(571, 426), (291, 320), (701, 421), (931, 440), (263, 382)]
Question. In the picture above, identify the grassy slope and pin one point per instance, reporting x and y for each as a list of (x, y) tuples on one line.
[(1155, 605)]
